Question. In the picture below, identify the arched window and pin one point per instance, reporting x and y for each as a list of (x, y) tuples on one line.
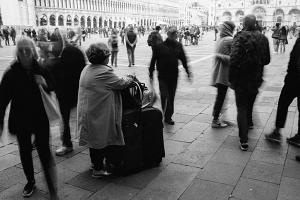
[(52, 20), (82, 21), (100, 22), (69, 20), (94, 22), (60, 20), (89, 23), (76, 21), (44, 20)]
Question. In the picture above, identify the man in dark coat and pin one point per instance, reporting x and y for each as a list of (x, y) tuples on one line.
[(289, 92), (250, 52), (66, 74), (165, 56)]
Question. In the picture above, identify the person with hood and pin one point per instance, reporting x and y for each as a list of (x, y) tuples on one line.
[(113, 44), (250, 52), (220, 75)]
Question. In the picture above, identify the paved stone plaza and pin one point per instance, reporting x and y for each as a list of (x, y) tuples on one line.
[(200, 164)]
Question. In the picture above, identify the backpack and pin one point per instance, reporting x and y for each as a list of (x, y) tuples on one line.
[(153, 39), (114, 43)]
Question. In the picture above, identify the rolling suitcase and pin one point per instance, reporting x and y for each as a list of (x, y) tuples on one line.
[(152, 137), (129, 158)]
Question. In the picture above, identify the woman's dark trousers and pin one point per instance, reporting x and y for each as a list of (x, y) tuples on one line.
[(65, 110), (43, 149), (244, 102), (167, 89), (220, 98), (289, 92)]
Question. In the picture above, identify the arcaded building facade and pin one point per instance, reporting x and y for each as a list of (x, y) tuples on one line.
[(268, 12), (90, 13)]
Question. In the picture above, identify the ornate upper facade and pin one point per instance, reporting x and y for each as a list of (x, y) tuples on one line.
[(268, 12), (89, 13)]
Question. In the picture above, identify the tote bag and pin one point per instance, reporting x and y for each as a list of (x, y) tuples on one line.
[(51, 107)]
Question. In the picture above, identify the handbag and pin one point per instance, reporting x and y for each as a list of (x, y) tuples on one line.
[(51, 106)]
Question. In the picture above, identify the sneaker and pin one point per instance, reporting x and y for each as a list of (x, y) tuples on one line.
[(218, 124), (63, 151), (294, 140), (100, 173), (274, 137), (244, 146), (169, 121), (29, 189)]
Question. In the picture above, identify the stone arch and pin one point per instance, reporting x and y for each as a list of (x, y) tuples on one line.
[(69, 20), (110, 23), (294, 16), (95, 22), (227, 16), (89, 22), (44, 20), (100, 22), (76, 21), (52, 20), (60, 20), (105, 23), (82, 21)]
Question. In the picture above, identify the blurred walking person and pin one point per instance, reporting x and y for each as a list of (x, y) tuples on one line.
[(220, 76), (131, 40), (113, 44), (6, 36), (13, 34), (165, 56), (249, 54), (275, 36), (289, 92), (282, 39), (20, 87)]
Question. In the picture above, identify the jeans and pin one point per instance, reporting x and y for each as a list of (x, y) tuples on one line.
[(287, 95), (43, 149), (244, 103), (221, 94), (114, 58), (167, 89), (130, 53)]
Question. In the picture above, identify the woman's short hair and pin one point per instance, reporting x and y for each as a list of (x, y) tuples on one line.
[(26, 42), (97, 53)]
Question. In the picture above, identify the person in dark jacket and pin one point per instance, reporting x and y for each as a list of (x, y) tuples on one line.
[(66, 72), (131, 40), (250, 52), (27, 115), (289, 92), (6, 36), (165, 56), (13, 34)]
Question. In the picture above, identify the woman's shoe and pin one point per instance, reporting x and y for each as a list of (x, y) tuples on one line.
[(216, 123), (29, 189)]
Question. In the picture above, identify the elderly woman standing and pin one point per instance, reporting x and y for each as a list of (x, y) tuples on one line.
[(220, 73), (20, 87), (99, 109)]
